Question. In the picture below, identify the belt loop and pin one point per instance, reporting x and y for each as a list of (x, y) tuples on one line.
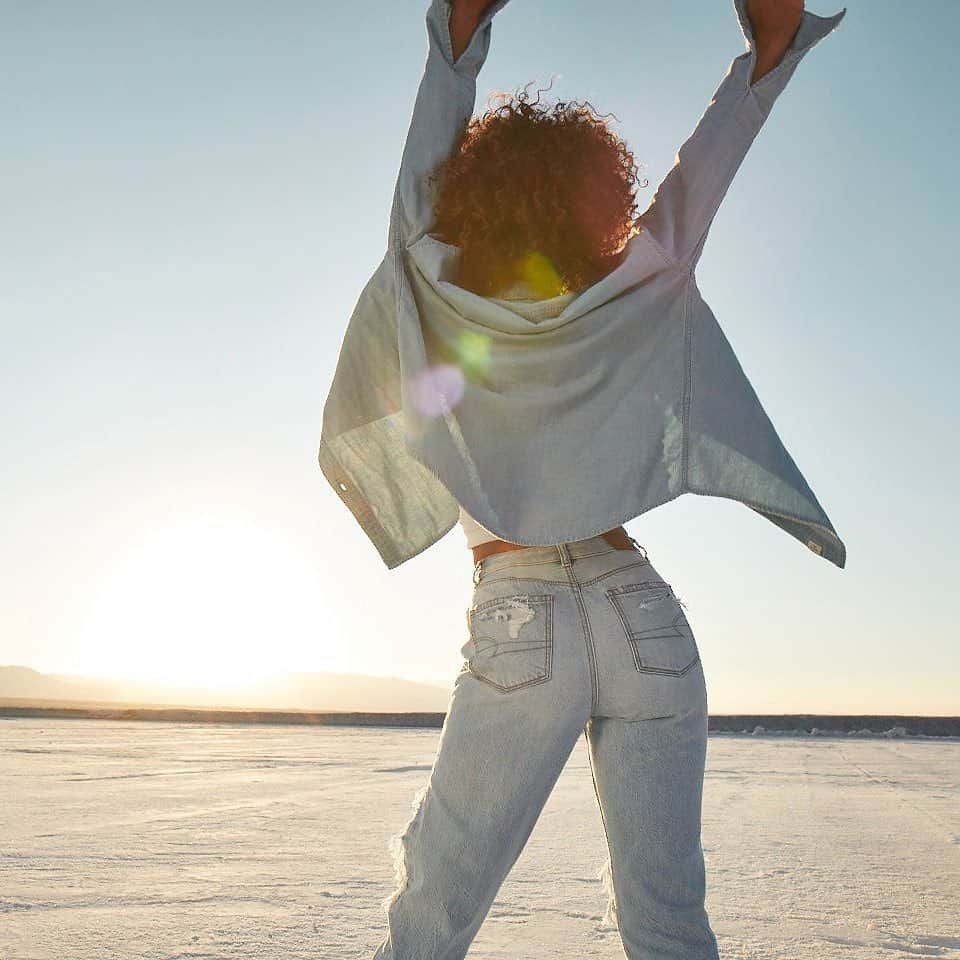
[(477, 568), (564, 551)]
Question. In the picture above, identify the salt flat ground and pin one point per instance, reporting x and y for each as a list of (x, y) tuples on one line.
[(158, 840)]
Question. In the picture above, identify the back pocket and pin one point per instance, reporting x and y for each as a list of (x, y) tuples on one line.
[(511, 640), (656, 627)]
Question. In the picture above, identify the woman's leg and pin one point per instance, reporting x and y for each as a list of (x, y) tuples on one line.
[(514, 717), (647, 742), (649, 778)]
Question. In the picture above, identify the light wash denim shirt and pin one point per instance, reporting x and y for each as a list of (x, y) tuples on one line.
[(556, 421)]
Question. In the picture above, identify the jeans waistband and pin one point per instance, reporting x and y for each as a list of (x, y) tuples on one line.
[(564, 553)]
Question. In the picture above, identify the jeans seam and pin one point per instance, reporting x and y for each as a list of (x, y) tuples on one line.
[(495, 575), (610, 573), (485, 581), (606, 836), (664, 671), (535, 563), (587, 635)]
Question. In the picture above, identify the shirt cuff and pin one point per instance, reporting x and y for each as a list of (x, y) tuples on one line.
[(438, 29), (813, 28)]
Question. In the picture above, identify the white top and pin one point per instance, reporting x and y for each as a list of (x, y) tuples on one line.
[(474, 532)]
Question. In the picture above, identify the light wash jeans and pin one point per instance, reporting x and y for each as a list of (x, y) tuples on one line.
[(577, 637)]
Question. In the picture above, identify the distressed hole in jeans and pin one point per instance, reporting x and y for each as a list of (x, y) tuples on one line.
[(511, 640), (399, 848), (514, 612), (609, 920)]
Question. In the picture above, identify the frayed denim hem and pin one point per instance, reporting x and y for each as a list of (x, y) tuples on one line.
[(399, 849), (609, 920)]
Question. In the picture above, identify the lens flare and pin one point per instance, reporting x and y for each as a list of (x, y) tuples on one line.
[(538, 270), (438, 388), (473, 353)]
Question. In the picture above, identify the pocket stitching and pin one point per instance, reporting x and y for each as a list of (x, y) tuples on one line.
[(614, 593), (547, 601)]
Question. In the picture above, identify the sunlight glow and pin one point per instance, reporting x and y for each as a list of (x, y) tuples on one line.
[(209, 599)]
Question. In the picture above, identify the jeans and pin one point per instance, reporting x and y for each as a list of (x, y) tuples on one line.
[(575, 637)]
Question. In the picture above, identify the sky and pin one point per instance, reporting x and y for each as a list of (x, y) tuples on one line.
[(192, 198)]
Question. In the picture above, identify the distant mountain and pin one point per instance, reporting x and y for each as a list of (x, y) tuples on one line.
[(290, 691)]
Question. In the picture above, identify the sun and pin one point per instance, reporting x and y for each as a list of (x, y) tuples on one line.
[(206, 599)]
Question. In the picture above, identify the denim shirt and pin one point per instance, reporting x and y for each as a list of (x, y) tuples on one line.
[(557, 423)]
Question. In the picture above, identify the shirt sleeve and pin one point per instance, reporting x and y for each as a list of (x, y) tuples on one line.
[(685, 203), (443, 105)]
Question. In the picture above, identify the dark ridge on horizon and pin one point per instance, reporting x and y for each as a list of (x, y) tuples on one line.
[(875, 725), (293, 691)]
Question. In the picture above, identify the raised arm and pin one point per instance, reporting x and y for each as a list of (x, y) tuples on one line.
[(464, 20), (679, 216), (458, 35), (774, 24)]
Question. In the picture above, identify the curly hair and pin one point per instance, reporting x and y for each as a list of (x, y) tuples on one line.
[(536, 194)]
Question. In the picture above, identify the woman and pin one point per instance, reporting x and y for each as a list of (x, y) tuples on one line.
[(535, 360)]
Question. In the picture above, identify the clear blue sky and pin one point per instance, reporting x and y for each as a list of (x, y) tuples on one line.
[(192, 197)]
